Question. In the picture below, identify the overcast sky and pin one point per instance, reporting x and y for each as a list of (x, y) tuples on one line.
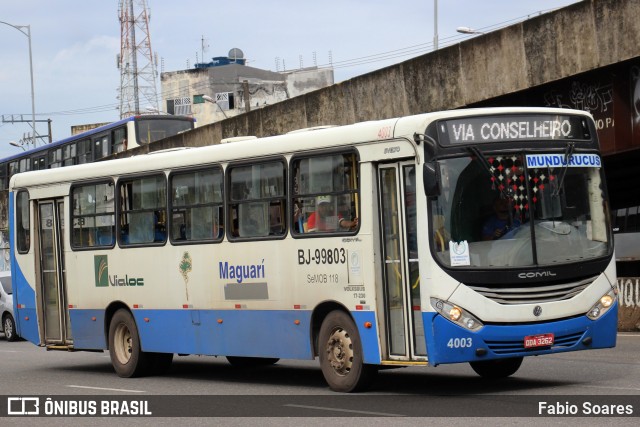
[(75, 43)]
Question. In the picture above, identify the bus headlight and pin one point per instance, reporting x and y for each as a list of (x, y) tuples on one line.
[(456, 314), (603, 305)]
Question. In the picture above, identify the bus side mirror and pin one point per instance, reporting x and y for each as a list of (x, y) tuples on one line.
[(431, 178)]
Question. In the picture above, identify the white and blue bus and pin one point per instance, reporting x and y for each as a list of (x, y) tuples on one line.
[(478, 236), (87, 147), (95, 144)]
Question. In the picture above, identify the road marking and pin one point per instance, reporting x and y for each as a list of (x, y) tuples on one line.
[(108, 389), (322, 408), (10, 351), (629, 335)]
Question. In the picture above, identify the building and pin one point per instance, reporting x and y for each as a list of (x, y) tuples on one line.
[(226, 87)]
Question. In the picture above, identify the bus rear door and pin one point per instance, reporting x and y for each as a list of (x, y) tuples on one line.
[(402, 317)]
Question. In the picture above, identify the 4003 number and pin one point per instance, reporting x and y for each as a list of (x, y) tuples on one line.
[(460, 343)]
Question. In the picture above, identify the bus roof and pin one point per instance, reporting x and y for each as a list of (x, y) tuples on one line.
[(250, 149)]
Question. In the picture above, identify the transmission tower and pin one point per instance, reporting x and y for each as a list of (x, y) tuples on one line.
[(136, 63)]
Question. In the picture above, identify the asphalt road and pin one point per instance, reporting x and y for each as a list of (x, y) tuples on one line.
[(294, 392)]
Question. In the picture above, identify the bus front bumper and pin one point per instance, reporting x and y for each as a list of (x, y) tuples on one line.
[(450, 343)]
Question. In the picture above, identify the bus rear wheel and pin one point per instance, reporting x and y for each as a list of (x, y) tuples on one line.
[(125, 351), (499, 368), (341, 355)]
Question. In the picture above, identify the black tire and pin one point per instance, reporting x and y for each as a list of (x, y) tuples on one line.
[(495, 369), (127, 357), (341, 355), (9, 326), (251, 362)]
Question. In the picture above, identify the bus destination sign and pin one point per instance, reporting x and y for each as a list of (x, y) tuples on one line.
[(511, 128)]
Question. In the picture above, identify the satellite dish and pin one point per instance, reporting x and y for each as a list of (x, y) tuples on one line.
[(236, 53)]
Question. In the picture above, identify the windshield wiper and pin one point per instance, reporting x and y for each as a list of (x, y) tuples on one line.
[(568, 154)]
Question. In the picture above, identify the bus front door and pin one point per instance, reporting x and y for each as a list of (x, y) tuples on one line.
[(403, 323), (53, 296)]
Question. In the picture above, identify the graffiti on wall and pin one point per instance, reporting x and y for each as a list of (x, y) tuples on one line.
[(596, 98), (629, 291)]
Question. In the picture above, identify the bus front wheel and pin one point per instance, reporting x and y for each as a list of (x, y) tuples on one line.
[(125, 351), (499, 368), (341, 355)]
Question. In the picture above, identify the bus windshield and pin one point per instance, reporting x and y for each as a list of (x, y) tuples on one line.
[(151, 130), (516, 210)]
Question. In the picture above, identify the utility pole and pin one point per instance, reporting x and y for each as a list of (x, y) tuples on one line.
[(33, 102), (13, 119), (435, 24)]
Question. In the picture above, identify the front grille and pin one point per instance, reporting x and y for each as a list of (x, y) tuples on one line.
[(534, 295), (509, 347)]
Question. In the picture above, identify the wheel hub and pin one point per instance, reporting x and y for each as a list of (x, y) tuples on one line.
[(340, 351), (123, 344)]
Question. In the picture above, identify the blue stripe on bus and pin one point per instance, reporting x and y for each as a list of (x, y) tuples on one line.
[(451, 343), (254, 333), (87, 333), (25, 318)]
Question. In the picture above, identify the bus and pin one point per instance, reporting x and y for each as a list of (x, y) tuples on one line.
[(95, 144), (87, 147), (213, 250)]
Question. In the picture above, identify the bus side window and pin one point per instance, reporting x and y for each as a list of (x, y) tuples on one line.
[(69, 154), (83, 149), (325, 194), (101, 147), (22, 222), (197, 205), (257, 200), (93, 215), (143, 210), (119, 140)]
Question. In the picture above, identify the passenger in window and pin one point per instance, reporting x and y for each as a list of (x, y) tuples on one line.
[(324, 218), (501, 222)]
